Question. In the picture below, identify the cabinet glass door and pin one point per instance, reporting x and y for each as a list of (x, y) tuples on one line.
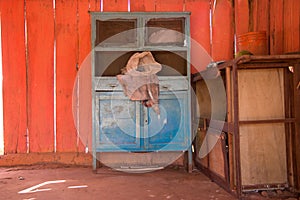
[(165, 31), (116, 32)]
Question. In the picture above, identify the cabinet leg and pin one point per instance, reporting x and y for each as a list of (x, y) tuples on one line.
[(190, 160), (94, 162)]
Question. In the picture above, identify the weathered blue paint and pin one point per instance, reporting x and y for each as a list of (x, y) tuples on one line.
[(123, 125), (169, 132)]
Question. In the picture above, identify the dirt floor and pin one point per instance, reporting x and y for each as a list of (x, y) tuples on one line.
[(43, 182), (50, 182)]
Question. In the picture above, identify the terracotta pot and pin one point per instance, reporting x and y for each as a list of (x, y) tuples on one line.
[(255, 42)]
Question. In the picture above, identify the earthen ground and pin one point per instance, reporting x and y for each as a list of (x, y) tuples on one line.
[(82, 183), (70, 182)]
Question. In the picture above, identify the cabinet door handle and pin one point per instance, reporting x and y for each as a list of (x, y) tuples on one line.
[(112, 85), (165, 87)]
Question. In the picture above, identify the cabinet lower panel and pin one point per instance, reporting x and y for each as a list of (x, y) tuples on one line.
[(125, 125)]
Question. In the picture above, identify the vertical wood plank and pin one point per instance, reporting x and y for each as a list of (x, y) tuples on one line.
[(291, 26), (97, 5), (84, 29), (260, 20), (216, 156), (66, 64), (297, 125), (14, 76), (40, 23), (142, 5), (82, 91), (276, 26), (241, 16), (241, 8), (200, 33), (169, 5), (94, 5), (115, 5), (260, 9), (83, 107), (222, 30)]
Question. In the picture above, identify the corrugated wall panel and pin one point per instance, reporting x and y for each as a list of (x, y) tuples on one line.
[(142, 5), (40, 23), (66, 64), (200, 33), (14, 76), (222, 30)]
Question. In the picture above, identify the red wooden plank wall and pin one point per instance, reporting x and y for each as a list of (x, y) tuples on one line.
[(241, 11), (29, 79), (40, 23), (81, 93), (279, 18), (66, 68), (142, 5), (222, 30), (291, 23), (14, 76), (115, 5), (260, 18), (169, 5), (276, 26), (200, 33)]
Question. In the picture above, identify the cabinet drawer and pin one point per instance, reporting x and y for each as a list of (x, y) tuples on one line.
[(107, 84), (172, 83)]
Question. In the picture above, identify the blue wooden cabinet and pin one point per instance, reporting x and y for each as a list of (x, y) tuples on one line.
[(122, 125)]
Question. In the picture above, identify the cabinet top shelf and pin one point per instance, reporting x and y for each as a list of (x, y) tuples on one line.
[(145, 48), (142, 14), (116, 36)]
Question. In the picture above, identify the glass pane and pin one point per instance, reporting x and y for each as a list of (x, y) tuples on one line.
[(165, 31), (115, 32)]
